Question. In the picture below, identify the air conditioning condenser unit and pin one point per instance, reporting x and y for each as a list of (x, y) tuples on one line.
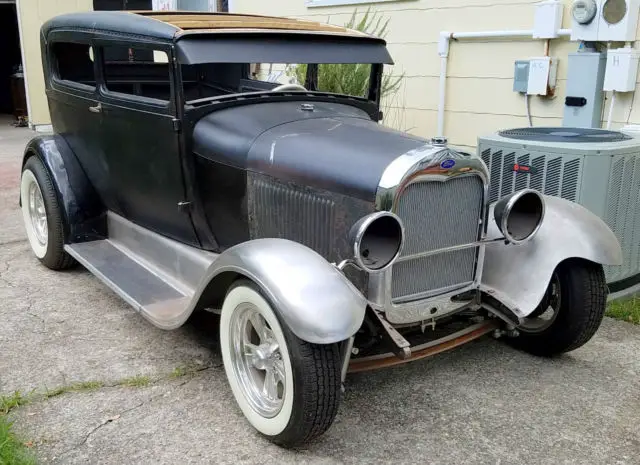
[(598, 169)]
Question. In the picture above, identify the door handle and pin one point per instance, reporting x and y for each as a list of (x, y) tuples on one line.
[(96, 109)]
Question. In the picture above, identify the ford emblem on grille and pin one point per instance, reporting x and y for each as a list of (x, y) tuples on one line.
[(447, 164)]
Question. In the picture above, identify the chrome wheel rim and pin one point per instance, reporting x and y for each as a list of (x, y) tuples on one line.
[(257, 361), (546, 314), (37, 213)]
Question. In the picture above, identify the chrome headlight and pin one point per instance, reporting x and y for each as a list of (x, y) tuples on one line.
[(519, 215), (377, 241)]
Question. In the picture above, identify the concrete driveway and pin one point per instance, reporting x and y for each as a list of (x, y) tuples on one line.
[(164, 397)]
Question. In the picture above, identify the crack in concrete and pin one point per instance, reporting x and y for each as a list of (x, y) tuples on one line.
[(37, 317), (199, 370), (65, 389), (103, 423), (5, 270), (13, 241), (119, 415), (109, 420)]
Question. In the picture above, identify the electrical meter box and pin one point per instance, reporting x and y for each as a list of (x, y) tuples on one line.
[(604, 20)]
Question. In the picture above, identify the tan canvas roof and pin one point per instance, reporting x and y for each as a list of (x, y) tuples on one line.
[(212, 22)]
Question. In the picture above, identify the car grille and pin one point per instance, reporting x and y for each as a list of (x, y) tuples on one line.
[(437, 215)]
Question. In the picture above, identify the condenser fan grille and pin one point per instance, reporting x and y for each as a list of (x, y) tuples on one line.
[(568, 135)]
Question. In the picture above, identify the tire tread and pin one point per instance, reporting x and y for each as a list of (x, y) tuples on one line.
[(322, 371), (591, 282), (584, 287)]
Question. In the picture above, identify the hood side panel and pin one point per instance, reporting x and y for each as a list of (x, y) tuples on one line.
[(226, 135), (335, 147), (338, 154)]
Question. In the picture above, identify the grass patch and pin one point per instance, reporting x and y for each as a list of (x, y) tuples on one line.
[(75, 387), (135, 381), (625, 310), (11, 401), (13, 450), (178, 372)]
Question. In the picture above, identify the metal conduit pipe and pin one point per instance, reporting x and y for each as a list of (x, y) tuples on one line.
[(443, 52)]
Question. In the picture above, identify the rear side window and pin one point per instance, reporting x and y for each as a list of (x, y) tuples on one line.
[(137, 72), (73, 64)]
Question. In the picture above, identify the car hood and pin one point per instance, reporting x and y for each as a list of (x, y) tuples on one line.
[(330, 146)]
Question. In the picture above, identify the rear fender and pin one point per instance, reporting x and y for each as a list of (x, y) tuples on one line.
[(83, 212), (518, 275)]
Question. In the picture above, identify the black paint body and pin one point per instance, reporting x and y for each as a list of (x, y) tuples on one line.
[(218, 170), (82, 210)]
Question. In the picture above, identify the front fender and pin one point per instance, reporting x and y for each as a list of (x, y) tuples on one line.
[(315, 300), (82, 210), (518, 275)]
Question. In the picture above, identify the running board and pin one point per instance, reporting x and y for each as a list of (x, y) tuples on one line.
[(151, 295)]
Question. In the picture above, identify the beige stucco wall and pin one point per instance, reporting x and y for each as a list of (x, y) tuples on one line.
[(479, 96), (31, 15)]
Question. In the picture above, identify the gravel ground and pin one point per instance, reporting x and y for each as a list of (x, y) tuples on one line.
[(481, 403)]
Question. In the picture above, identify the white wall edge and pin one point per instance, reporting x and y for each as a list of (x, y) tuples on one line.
[(321, 3), (24, 62)]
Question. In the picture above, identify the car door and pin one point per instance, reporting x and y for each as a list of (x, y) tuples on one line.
[(72, 95), (141, 139)]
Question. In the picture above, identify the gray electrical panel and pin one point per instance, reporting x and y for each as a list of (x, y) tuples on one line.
[(583, 98), (521, 76)]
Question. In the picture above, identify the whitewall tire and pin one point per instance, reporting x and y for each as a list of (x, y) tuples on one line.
[(288, 389), (42, 216)]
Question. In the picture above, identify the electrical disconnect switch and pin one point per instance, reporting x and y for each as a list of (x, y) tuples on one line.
[(521, 76), (542, 76), (583, 95)]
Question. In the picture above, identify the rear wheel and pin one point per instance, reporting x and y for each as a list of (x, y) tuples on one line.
[(42, 216), (571, 312), (288, 389)]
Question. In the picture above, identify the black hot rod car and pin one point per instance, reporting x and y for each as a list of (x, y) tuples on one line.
[(193, 169)]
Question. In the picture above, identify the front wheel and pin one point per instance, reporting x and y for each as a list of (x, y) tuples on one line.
[(570, 313), (288, 389)]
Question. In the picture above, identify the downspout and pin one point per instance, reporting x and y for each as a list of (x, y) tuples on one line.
[(443, 52)]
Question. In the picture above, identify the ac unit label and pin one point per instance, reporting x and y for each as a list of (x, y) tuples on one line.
[(520, 168)]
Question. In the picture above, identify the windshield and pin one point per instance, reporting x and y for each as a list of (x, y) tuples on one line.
[(212, 80), (347, 79)]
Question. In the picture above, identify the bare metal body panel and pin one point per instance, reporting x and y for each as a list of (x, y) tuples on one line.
[(166, 281), (518, 275)]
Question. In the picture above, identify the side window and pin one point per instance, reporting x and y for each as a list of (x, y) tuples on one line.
[(137, 72), (73, 64)]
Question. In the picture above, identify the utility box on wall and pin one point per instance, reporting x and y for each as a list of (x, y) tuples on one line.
[(547, 19), (622, 70), (583, 100), (521, 76), (604, 20), (542, 76)]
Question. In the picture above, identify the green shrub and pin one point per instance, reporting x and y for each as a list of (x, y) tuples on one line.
[(353, 79)]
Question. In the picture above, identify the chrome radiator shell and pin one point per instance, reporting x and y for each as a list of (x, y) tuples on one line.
[(441, 196), (437, 215)]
